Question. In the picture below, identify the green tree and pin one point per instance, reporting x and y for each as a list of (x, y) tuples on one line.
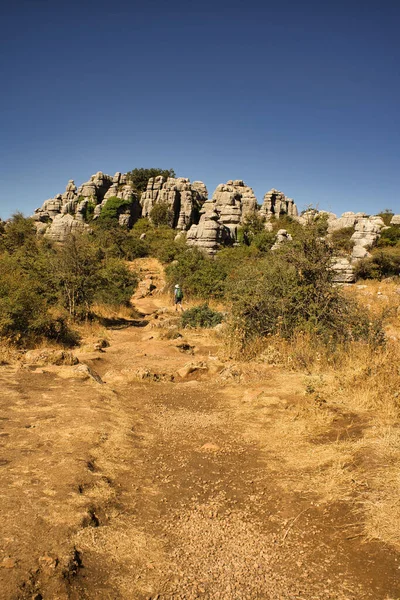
[(161, 214), (139, 177), (253, 224)]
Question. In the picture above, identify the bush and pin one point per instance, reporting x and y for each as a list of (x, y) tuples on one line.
[(341, 239), (386, 215), (382, 263), (112, 209), (198, 274), (26, 313), (389, 237), (116, 283), (201, 316), (253, 225), (293, 293), (161, 214)]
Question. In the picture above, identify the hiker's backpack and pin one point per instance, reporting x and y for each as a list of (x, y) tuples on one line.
[(179, 294)]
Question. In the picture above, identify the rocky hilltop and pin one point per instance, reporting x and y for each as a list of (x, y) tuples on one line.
[(209, 223)]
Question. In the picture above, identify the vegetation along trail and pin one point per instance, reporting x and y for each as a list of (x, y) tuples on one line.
[(174, 477)]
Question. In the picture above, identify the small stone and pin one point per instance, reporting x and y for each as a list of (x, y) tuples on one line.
[(8, 562)]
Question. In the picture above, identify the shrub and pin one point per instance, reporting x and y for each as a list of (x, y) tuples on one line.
[(386, 215), (161, 214), (116, 283), (253, 225), (18, 232), (26, 313), (389, 237), (112, 209), (341, 239), (293, 292), (201, 316), (383, 263), (198, 274)]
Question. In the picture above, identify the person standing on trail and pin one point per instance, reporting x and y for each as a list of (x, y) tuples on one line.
[(178, 297)]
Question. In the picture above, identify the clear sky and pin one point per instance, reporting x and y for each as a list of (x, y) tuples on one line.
[(300, 95)]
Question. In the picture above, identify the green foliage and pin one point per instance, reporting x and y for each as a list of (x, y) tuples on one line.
[(18, 232), (285, 222), (384, 262), (205, 277), (386, 215), (253, 225), (263, 241), (26, 313), (162, 245), (116, 283), (293, 293), (341, 240), (139, 177), (89, 212), (201, 316), (111, 211), (198, 274), (161, 214), (389, 237)]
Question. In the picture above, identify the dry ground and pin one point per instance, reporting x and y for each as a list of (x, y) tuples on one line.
[(227, 482)]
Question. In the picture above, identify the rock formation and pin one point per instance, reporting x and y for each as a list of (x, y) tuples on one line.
[(281, 238), (221, 216), (276, 204), (343, 271), (395, 220), (66, 213), (233, 201), (366, 234), (184, 199), (210, 233)]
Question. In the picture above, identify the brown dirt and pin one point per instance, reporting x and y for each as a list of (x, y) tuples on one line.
[(153, 486)]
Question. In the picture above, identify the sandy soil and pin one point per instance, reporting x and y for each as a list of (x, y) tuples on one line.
[(150, 485)]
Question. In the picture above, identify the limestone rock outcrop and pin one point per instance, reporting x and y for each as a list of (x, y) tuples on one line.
[(184, 199), (233, 201), (343, 271), (395, 220), (367, 232), (210, 233), (347, 219), (51, 218), (63, 225), (281, 238), (276, 204)]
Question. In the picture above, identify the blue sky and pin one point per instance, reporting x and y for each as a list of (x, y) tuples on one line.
[(298, 95)]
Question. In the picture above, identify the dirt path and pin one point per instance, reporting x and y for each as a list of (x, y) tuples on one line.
[(144, 487)]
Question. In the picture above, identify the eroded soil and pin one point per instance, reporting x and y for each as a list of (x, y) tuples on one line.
[(155, 486)]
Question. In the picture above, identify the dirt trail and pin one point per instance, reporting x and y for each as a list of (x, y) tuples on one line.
[(144, 487)]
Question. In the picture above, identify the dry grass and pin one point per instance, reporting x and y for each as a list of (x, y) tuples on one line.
[(354, 383)]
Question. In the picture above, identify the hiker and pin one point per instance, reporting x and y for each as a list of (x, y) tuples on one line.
[(178, 297)]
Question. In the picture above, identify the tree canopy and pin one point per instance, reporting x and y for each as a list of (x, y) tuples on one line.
[(139, 177)]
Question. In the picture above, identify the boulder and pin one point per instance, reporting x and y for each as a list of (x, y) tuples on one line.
[(395, 220)]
